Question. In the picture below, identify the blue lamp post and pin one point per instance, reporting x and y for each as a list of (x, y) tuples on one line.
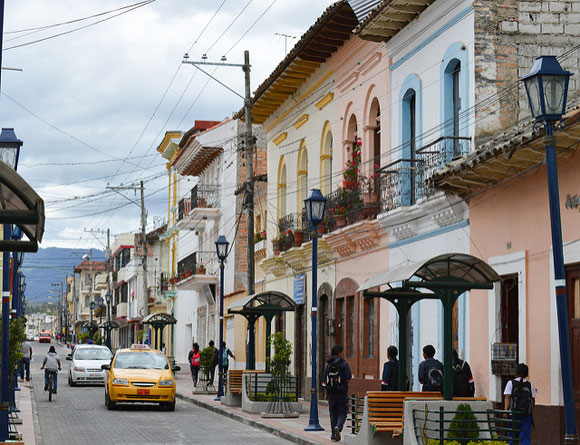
[(9, 153), (221, 247), (547, 88), (108, 298), (315, 205)]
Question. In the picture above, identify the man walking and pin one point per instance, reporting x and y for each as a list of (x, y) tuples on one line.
[(463, 385), (431, 371), (214, 362), (26, 349), (336, 377)]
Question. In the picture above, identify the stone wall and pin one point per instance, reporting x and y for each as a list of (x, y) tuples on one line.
[(509, 35)]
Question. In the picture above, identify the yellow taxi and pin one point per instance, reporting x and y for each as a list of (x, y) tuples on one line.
[(140, 374)]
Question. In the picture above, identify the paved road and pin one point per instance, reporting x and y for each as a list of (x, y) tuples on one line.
[(78, 416)]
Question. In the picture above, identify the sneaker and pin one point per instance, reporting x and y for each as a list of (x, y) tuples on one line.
[(332, 437), (54, 391), (336, 434)]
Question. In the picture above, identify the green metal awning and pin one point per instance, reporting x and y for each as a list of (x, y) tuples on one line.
[(159, 319)]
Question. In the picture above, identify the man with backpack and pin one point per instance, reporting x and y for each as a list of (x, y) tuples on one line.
[(430, 371), (520, 395), (463, 385), (336, 377), (226, 354), (214, 362)]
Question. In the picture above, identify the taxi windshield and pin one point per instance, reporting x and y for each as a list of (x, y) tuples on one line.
[(140, 360), (93, 354)]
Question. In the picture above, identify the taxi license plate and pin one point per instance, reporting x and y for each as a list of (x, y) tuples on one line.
[(143, 392)]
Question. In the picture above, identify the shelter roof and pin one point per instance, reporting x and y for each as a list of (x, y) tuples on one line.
[(324, 37), (263, 302), (457, 266), (159, 319), (507, 154), (20, 205)]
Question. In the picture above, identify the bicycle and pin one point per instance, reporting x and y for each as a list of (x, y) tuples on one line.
[(51, 376)]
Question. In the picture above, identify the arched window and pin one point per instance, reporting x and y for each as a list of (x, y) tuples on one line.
[(326, 160), (351, 136), (374, 150), (281, 188), (409, 147), (302, 175)]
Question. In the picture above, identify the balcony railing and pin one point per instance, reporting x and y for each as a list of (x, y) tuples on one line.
[(404, 182), (198, 263), (201, 196)]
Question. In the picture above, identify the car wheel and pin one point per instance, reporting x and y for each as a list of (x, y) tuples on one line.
[(170, 406), (108, 403), (71, 381)]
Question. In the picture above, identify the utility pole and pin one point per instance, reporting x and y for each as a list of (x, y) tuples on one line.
[(249, 142)]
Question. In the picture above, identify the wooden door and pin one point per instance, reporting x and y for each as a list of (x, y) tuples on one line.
[(573, 292), (300, 341)]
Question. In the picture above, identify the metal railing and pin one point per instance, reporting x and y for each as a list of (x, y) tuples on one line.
[(356, 407), (263, 387), (438, 425), (200, 196), (193, 262)]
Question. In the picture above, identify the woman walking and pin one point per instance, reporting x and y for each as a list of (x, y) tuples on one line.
[(194, 359)]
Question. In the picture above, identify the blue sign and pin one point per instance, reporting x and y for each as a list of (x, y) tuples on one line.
[(299, 281)]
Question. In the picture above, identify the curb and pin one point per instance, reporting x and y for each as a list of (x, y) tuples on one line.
[(251, 422)]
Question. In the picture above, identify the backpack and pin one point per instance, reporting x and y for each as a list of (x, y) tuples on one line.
[(225, 361), (434, 379), (196, 359), (461, 386), (335, 381), (521, 397)]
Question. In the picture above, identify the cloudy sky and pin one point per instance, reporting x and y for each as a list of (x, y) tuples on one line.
[(93, 100)]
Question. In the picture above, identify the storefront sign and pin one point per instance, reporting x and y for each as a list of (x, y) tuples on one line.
[(299, 283)]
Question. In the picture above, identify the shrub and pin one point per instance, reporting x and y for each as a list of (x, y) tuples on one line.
[(206, 362), (463, 425)]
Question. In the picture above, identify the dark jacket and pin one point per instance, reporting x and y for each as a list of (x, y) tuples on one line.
[(463, 384), (345, 370), (424, 367), (390, 379)]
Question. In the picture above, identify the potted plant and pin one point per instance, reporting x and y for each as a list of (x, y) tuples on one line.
[(259, 236), (369, 184), (188, 273), (287, 240), (339, 213), (182, 276), (200, 269), (277, 244), (298, 238)]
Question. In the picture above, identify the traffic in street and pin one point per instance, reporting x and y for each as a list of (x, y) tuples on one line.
[(78, 415)]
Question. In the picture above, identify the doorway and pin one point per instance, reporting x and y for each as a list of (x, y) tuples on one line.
[(509, 314), (300, 339), (573, 291)]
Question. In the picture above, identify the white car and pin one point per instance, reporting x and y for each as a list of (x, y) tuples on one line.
[(85, 364)]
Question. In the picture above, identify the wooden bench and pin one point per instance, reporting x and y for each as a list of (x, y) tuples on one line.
[(386, 409), (235, 380)]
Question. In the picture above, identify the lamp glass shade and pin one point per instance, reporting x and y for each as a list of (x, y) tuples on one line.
[(221, 247), (315, 205), (533, 88), (8, 155), (554, 87)]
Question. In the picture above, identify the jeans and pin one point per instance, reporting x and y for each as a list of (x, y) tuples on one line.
[(212, 374), (194, 373), (525, 425), (47, 372), (337, 409), (25, 367)]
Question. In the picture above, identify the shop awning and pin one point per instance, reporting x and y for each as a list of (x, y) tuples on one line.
[(22, 206)]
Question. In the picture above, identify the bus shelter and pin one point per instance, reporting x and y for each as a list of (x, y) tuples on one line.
[(444, 278), (158, 321), (267, 304)]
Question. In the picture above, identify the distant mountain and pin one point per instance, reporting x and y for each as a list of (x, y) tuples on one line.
[(49, 266)]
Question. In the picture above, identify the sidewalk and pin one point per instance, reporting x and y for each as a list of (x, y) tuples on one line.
[(24, 404), (289, 429)]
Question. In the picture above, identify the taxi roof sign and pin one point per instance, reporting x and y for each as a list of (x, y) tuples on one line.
[(140, 346)]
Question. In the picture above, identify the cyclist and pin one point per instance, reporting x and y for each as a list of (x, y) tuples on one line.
[(52, 364)]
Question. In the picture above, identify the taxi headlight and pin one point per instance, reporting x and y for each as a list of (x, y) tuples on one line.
[(120, 382), (79, 369), (166, 383)]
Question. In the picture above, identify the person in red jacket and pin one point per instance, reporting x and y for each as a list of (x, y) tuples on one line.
[(194, 359)]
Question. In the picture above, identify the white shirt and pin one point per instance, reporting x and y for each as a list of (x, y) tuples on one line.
[(508, 388)]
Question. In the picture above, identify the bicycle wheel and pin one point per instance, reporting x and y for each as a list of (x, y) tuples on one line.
[(50, 386)]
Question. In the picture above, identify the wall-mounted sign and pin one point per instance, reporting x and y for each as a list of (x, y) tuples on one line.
[(299, 283)]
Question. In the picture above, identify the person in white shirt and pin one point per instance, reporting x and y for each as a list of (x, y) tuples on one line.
[(51, 364), (520, 394)]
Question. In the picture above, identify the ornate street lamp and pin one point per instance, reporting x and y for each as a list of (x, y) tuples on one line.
[(9, 153), (547, 89), (315, 205), (221, 247), (92, 308)]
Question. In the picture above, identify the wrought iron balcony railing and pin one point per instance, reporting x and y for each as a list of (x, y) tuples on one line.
[(201, 196), (199, 263)]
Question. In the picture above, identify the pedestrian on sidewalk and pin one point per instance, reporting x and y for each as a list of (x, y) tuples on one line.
[(520, 395), (214, 362), (336, 377), (226, 357), (390, 379), (194, 359), (463, 385), (26, 349), (430, 371)]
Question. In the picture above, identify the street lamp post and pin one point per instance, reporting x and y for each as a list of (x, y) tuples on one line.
[(101, 307), (108, 297), (92, 308), (221, 247), (9, 153), (315, 205), (547, 88)]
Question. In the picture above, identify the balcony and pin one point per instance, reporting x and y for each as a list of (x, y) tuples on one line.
[(101, 282), (200, 205), (196, 270), (121, 310)]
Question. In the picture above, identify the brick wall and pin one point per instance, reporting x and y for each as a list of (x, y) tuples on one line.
[(509, 35)]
